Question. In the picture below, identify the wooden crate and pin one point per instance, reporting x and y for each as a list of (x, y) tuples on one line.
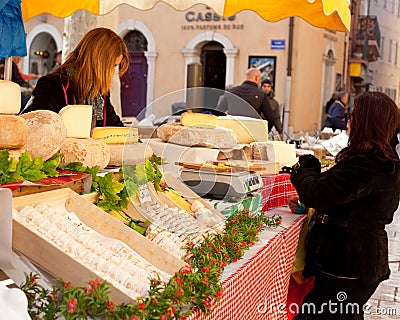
[(61, 265)]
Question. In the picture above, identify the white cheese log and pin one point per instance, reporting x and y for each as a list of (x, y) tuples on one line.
[(46, 133), (129, 154), (10, 97), (89, 151), (13, 132), (189, 136)]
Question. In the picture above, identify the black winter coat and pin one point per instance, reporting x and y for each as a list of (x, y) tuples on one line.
[(254, 96), (49, 95), (360, 195)]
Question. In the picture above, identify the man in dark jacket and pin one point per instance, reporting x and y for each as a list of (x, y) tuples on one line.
[(257, 101), (266, 86)]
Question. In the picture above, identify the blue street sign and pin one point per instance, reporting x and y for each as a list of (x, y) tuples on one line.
[(278, 44)]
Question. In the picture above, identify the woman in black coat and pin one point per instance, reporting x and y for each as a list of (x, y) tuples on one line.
[(85, 78), (354, 200)]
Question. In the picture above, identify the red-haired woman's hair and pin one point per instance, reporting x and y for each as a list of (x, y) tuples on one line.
[(374, 123)]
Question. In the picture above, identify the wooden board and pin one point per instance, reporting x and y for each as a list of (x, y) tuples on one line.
[(59, 264), (262, 167), (202, 166)]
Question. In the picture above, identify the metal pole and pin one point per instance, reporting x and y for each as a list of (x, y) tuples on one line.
[(8, 69), (288, 78)]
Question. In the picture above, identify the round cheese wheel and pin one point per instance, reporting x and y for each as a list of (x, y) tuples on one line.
[(10, 97), (46, 133), (13, 133), (89, 152)]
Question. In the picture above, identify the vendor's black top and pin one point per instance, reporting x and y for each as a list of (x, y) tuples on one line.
[(359, 196), (49, 95)]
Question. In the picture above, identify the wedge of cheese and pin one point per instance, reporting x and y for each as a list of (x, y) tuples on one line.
[(246, 129), (89, 152), (10, 97), (116, 135), (198, 120), (77, 120), (13, 132), (46, 133)]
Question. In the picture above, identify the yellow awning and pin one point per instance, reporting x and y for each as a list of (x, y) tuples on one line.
[(328, 14)]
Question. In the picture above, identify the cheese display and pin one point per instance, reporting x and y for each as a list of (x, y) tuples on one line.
[(116, 135), (219, 138), (13, 133), (90, 152), (246, 129), (46, 133), (10, 97), (275, 151), (109, 258), (77, 120), (129, 154), (198, 120)]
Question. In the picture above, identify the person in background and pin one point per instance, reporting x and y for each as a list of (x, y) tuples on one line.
[(257, 101), (57, 59), (266, 86), (337, 114), (331, 101), (25, 76), (347, 247), (85, 77)]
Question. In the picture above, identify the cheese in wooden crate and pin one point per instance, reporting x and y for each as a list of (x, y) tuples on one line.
[(13, 132), (10, 97), (98, 241), (246, 129), (77, 120), (116, 135)]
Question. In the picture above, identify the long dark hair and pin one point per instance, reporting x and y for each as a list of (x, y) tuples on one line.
[(374, 123)]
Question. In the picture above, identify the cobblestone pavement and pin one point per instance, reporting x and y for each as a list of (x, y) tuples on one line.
[(385, 303)]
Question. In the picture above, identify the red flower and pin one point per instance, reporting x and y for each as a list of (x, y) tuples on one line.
[(171, 311), (67, 284), (245, 211), (219, 294), (234, 231), (134, 317), (204, 279), (95, 283), (206, 269), (34, 279), (163, 317), (178, 293), (163, 185), (179, 280), (72, 305), (141, 305), (111, 305)]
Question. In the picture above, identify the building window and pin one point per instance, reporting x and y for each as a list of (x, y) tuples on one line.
[(379, 89), (390, 50)]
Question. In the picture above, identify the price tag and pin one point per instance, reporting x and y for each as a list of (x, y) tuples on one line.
[(144, 194)]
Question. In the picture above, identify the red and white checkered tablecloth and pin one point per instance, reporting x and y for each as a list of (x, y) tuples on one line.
[(258, 289), (276, 191)]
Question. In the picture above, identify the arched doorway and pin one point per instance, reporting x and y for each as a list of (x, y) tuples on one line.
[(134, 81), (213, 60), (328, 81), (42, 54)]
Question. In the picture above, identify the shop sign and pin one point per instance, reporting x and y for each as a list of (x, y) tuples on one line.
[(278, 44)]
